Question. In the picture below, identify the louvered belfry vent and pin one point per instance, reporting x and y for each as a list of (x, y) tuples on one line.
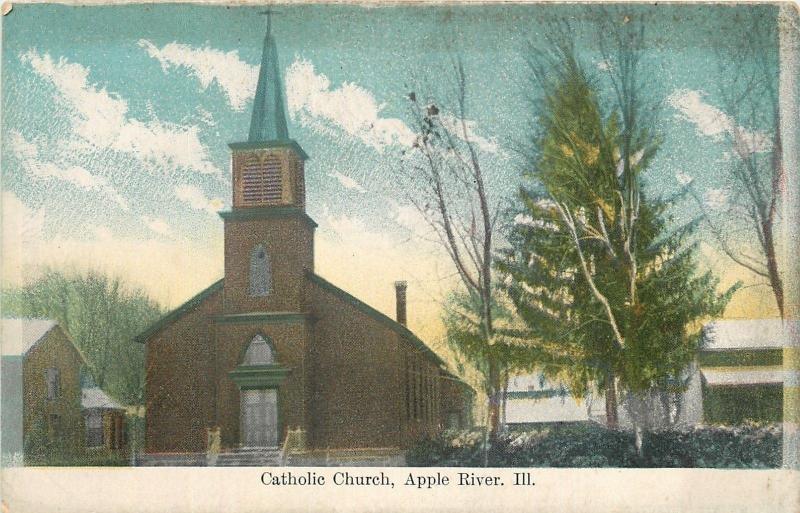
[(261, 181)]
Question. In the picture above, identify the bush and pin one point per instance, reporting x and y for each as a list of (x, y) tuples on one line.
[(748, 446)]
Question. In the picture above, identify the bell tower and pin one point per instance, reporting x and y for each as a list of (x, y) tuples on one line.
[(268, 235)]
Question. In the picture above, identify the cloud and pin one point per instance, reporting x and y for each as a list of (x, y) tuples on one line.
[(157, 225), (234, 77), (169, 269), (22, 230), (100, 119), (28, 154), (453, 125), (195, 198), (349, 108), (683, 178), (604, 65), (716, 199), (712, 122), (347, 182)]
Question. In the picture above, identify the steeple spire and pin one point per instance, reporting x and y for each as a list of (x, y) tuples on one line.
[(268, 122)]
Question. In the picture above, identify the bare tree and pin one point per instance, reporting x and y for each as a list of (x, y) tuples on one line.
[(744, 225), (446, 182)]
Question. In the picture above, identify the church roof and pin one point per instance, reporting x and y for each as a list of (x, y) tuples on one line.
[(268, 122), (20, 335), (375, 314), (178, 312)]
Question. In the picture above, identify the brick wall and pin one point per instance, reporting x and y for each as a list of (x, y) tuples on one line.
[(290, 344), (289, 245), (179, 393)]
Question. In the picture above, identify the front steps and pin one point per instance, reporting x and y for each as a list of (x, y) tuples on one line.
[(250, 457), (244, 457)]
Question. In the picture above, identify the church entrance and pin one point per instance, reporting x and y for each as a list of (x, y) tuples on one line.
[(259, 418)]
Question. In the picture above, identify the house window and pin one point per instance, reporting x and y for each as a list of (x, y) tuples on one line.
[(53, 378), (94, 429), (55, 424), (259, 352), (260, 275)]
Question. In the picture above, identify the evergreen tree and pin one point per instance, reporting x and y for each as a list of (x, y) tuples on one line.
[(595, 265)]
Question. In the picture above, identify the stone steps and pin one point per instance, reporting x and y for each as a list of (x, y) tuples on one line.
[(260, 457), (172, 460)]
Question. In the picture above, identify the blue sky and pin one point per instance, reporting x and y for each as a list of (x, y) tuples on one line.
[(116, 122)]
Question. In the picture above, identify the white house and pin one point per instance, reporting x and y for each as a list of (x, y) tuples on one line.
[(736, 377)]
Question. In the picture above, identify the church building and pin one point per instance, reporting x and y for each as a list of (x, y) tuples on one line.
[(273, 347)]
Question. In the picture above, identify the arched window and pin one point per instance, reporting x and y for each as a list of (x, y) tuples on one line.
[(260, 275), (259, 352)]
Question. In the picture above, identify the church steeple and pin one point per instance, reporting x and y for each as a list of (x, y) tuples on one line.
[(268, 169), (268, 122)]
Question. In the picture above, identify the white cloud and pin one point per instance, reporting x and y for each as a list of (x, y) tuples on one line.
[(683, 178), (22, 230), (347, 182), (350, 108), (234, 77), (453, 125), (28, 154), (716, 199), (157, 225), (604, 65), (713, 122), (100, 119), (101, 232), (169, 269), (195, 198)]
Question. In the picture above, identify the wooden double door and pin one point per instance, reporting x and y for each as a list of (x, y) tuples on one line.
[(259, 418)]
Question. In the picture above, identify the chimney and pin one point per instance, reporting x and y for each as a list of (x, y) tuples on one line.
[(400, 294)]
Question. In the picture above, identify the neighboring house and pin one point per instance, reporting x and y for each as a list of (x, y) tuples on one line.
[(533, 399), (742, 371), (41, 395), (737, 377), (273, 346), (104, 419)]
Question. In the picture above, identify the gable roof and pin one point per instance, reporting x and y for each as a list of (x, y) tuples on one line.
[(19, 335), (375, 314), (728, 334), (178, 312), (94, 397)]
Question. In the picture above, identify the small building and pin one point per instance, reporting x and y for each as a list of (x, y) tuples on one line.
[(104, 419), (532, 399), (737, 377), (741, 365), (41, 394)]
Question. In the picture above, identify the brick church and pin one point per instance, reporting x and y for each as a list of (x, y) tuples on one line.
[(274, 347)]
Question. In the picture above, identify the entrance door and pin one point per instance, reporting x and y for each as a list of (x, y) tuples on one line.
[(259, 417)]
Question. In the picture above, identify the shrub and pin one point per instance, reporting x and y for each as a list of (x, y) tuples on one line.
[(747, 446)]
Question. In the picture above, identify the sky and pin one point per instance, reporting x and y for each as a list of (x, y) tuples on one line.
[(116, 121)]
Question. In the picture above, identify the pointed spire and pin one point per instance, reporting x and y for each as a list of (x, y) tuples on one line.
[(268, 122)]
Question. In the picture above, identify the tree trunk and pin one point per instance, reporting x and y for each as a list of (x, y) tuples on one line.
[(612, 418), (505, 399), (494, 399)]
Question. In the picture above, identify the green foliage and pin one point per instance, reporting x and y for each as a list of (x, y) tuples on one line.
[(101, 315), (586, 445), (466, 338), (596, 268), (753, 403)]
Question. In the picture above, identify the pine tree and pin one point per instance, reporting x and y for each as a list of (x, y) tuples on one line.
[(596, 266)]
